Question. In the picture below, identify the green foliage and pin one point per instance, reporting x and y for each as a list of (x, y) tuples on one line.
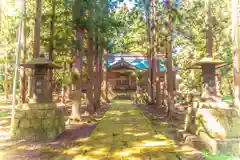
[(131, 32), (140, 96), (209, 156), (191, 39)]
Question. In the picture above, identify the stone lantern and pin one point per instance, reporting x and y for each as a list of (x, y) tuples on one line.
[(39, 119), (214, 122), (42, 92), (208, 65)]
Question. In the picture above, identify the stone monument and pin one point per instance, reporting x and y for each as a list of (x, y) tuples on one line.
[(214, 122), (39, 119)]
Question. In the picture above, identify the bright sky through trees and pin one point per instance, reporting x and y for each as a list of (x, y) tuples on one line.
[(129, 3)]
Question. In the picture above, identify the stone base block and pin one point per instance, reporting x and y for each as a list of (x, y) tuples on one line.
[(225, 120), (37, 122), (203, 141), (226, 146)]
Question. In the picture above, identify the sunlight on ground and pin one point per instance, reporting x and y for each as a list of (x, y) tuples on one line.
[(123, 134)]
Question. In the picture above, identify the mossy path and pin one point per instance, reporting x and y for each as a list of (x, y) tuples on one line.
[(125, 134)]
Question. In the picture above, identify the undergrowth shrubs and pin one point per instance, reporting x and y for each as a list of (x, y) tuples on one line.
[(123, 95), (111, 94), (140, 96)]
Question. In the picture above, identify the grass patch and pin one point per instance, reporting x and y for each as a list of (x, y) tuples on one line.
[(210, 156), (4, 113), (124, 133)]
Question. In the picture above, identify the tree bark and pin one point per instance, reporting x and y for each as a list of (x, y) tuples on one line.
[(36, 50), (97, 86), (149, 53), (158, 88), (100, 81), (69, 86), (170, 97), (6, 77), (153, 50), (63, 86), (105, 78), (78, 102), (209, 36), (90, 77), (90, 66), (51, 44), (236, 64), (37, 28), (22, 97)]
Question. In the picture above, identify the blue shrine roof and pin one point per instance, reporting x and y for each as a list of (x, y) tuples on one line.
[(139, 63)]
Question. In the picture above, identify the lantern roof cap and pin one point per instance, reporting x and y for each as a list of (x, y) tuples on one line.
[(209, 60), (40, 61)]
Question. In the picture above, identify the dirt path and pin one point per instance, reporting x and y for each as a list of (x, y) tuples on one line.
[(49, 150), (125, 133)]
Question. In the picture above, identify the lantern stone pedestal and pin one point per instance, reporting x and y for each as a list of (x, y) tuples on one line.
[(37, 122), (214, 123), (39, 119)]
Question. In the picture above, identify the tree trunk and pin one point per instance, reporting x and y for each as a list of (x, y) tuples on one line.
[(63, 86), (78, 102), (158, 88), (153, 50), (97, 87), (69, 86), (209, 35), (6, 77), (105, 78), (36, 50), (51, 45), (100, 80), (22, 97), (37, 28), (236, 64), (90, 78), (170, 97), (149, 53)]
